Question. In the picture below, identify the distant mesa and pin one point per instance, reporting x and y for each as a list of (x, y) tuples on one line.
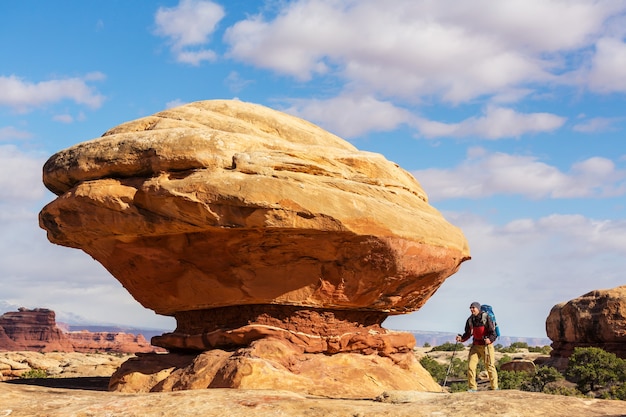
[(596, 319), (37, 330), (261, 232)]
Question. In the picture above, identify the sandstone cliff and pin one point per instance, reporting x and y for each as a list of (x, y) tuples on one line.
[(37, 330)]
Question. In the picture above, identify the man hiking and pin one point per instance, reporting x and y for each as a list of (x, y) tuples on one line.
[(482, 329)]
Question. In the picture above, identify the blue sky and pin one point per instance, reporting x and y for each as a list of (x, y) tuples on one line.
[(512, 115)]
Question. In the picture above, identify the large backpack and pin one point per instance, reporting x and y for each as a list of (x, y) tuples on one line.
[(489, 310)]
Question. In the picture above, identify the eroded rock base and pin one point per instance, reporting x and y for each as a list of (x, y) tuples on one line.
[(276, 365), (308, 330)]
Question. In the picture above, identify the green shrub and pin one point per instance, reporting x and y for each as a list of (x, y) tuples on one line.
[(458, 387), (448, 347), (512, 379), (434, 368), (540, 349), (543, 376), (34, 373), (591, 368)]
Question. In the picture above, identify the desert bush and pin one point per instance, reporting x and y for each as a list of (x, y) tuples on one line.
[(542, 377), (540, 349), (592, 368), (448, 347), (511, 379), (434, 368), (458, 387), (34, 373)]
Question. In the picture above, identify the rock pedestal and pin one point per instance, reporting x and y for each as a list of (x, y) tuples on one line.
[(245, 223), (596, 319)]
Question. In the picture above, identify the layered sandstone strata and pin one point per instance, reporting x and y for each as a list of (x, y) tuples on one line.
[(245, 223), (37, 330), (595, 319)]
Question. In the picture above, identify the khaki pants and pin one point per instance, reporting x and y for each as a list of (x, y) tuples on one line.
[(488, 355)]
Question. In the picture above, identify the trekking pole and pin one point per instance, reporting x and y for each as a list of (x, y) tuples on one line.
[(450, 366)]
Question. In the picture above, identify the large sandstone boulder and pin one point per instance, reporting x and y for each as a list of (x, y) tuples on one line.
[(274, 364), (245, 223), (596, 319)]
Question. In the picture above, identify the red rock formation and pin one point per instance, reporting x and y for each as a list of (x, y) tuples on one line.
[(36, 330), (245, 223), (87, 342), (33, 330), (596, 319)]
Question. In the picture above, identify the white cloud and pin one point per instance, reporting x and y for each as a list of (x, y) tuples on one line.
[(236, 82), (20, 176), (175, 103), (22, 95), (496, 123), (63, 118), (10, 132), (523, 269), (607, 73), (188, 25), (453, 51), (486, 174), (350, 115), (596, 124)]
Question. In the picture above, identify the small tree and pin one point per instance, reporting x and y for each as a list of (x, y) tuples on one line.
[(436, 370), (542, 377), (592, 367), (512, 379)]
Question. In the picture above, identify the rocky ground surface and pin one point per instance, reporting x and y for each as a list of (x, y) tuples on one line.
[(37, 401), (79, 389)]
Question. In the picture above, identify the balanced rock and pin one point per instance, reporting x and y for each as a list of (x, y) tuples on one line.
[(245, 223), (596, 319)]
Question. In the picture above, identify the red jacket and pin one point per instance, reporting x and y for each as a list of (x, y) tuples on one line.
[(479, 327)]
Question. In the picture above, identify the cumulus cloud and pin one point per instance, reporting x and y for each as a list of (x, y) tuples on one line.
[(9, 133), (417, 50), (607, 73), (189, 25), (20, 176), (496, 123), (596, 124), (526, 265), (485, 174), (351, 115), (22, 95)]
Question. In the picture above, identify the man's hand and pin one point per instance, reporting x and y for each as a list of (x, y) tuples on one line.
[(487, 341), (458, 338)]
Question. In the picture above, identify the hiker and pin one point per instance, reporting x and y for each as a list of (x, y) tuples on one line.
[(483, 330)]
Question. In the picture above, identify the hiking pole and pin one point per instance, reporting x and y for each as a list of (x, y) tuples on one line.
[(450, 366)]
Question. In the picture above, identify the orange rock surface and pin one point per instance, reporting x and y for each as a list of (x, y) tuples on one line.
[(246, 223), (595, 319)]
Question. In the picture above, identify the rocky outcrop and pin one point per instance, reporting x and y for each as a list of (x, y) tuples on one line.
[(245, 223), (274, 364), (596, 319), (37, 330), (85, 341), (16, 364), (519, 365), (33, 330)]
